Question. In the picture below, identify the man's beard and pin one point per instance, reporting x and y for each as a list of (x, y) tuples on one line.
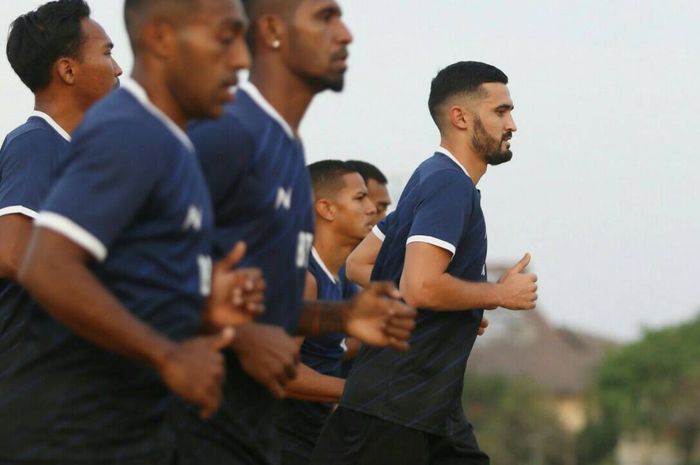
[(490, 147), (333, 83)]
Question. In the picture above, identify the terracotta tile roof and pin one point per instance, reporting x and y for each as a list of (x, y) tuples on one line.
[(526, 345)]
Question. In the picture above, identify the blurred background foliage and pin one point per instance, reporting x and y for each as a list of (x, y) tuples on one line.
[(641, 406)]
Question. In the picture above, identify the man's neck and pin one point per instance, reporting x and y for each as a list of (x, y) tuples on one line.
[(62, 109), (287, 94), (159, 95), (466, 157), (333, 252)]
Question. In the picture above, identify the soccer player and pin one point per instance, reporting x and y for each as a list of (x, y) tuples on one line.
[(379, 195), (344, 215), (253, 160), (64, 58), (406, 408), (376, 187), (120, 256)]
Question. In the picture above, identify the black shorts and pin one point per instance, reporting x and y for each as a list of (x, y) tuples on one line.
[(203, 450), (354, 438), (296, 446), (205, 443)]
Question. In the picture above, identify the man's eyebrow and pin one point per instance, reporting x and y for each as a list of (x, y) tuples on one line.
[(237, 25), (332, 10)]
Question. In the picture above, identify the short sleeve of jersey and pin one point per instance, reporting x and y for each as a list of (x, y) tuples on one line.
[(105, 182), (380, 228), (25, 173), (444, 202), (224, 149)]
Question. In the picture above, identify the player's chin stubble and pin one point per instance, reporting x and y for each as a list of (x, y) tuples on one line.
[(489, 146)]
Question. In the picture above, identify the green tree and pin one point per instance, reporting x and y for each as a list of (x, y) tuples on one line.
[(653, 386)]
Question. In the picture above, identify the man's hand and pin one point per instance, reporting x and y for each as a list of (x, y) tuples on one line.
[(518, 290), (237, 296), (482, 326), (268, 355), (194, 370), (377, 317)]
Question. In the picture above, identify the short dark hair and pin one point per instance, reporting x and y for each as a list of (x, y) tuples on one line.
[(463, 77), (38, 38), (256, 8), (326, 175), (137, 12), (367, 171)]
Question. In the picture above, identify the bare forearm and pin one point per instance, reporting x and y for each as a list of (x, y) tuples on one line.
[(14, 233), (10, 261), (361, 261), (447, 293), (313, 386), (72, 295), (322, 317), (359, 273)]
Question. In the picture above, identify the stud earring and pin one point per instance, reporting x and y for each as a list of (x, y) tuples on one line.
[(276, 44)]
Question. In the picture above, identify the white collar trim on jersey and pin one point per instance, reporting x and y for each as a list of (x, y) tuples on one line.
[(62, 132), (267, 107), (317, 257), (447, 153), (139, 93)]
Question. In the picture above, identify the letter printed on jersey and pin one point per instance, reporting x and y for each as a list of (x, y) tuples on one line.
[(193, 219), (284, 198)]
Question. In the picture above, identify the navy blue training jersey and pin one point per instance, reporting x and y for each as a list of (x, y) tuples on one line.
[(325, 353), (131, 193), (304, 420), (261, 192), (29, 158), (28, 161), (422, 388)]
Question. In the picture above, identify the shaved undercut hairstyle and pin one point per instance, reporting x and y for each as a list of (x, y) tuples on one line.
[(137, 12), (256, 8), (462, 78), (367, 171), (327, 177), (39, 38)]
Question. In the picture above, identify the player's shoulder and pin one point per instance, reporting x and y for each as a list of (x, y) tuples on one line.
[(230, 131), (252, 108), (320, 271), (315, 269), (34, 129), (122, 122), (35, 138), (260, 118), (442, 165), (120, 107), (310, 286), (440, 173)]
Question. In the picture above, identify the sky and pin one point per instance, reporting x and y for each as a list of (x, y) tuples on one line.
[(602, 189)]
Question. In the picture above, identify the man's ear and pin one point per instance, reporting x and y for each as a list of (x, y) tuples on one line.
[(325, 209), (66, 69), (461, 118), (159, 38), (271, 31)]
